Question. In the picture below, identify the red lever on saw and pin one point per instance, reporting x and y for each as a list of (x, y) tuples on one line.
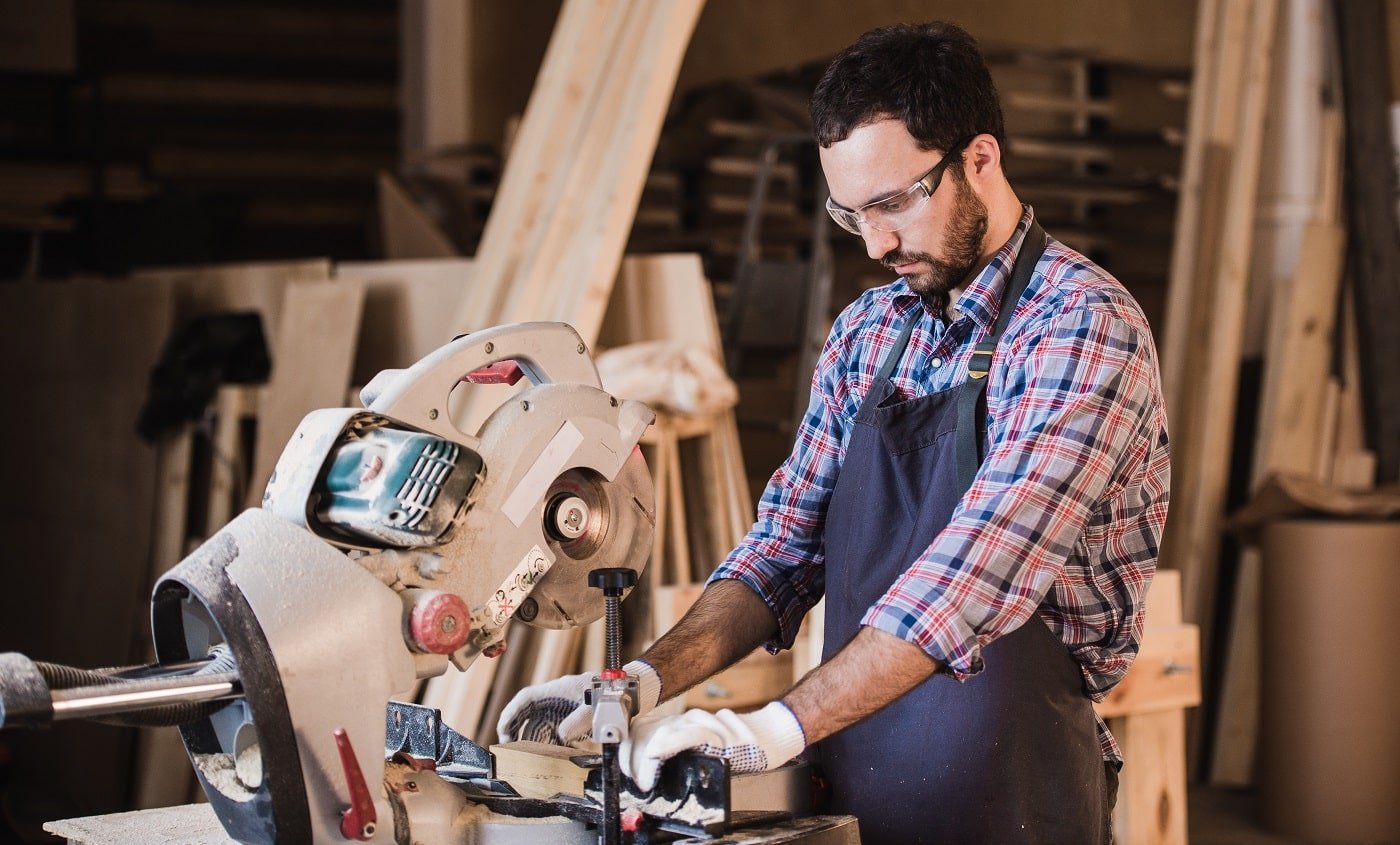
[(358, 822), (501, 372)]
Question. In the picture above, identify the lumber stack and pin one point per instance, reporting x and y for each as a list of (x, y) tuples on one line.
[(1203, 336), (1265, 367)]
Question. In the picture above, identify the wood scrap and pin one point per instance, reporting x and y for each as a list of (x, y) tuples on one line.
[(1165, 676), (407, 311), (1152, 797)]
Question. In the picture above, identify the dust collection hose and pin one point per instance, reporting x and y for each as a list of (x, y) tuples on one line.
[(34, 693)]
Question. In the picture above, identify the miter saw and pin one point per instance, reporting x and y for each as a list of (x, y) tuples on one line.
[(391, 544)]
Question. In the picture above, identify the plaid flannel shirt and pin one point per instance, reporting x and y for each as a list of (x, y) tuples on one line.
[(1066, 511)]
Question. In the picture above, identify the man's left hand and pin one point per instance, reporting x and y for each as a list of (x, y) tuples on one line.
[(751, 742)]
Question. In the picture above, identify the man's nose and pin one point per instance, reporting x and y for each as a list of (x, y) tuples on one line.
[(877, 244)]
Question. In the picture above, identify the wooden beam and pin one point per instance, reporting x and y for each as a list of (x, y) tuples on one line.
[(1375, 248), (1151, 808), (1291, 420), (554, 239), (1151, 731), (1165, 676), (1201, 451)]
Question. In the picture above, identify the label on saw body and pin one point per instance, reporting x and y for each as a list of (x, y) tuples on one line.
[(513, 591), (552, 461)]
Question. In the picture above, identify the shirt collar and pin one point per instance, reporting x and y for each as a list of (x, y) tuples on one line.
[(981, 300)]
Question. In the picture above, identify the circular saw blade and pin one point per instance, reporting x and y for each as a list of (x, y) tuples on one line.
[(622, 519)]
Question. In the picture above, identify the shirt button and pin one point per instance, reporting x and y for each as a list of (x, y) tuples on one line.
[(937, 362)]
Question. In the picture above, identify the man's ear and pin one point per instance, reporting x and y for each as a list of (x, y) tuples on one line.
[(983, 157)]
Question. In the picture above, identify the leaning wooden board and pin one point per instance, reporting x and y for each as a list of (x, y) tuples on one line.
[(1146, 713)]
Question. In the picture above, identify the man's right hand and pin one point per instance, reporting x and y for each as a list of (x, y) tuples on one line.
[(555, 712)]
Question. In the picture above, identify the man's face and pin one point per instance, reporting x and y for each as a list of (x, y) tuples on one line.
[(941, 246)]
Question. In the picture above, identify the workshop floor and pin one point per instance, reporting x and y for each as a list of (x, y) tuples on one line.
[(1217, 816)]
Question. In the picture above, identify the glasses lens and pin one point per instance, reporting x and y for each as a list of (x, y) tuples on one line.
[(895, 213), (847, 220)]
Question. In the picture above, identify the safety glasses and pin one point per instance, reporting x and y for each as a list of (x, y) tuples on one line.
[(895, 212)]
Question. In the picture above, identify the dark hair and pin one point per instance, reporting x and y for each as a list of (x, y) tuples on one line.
[(929, 76)]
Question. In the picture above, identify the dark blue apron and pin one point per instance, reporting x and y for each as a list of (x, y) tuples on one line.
[(1010, 756)]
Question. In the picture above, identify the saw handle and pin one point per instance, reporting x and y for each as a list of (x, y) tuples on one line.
[(360, 820), (543, 352)]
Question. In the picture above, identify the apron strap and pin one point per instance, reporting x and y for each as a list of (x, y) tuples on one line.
[(972, 393), (897, 351)]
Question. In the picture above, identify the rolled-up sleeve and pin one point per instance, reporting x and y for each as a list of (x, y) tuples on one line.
[(1081, 388)]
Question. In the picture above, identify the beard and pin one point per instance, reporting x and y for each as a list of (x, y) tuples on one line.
[(967, 229)]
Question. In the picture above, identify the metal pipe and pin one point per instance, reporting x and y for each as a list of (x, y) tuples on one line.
[(107, 700)]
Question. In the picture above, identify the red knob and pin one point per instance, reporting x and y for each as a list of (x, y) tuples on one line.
[(360, 820), (440, 623)]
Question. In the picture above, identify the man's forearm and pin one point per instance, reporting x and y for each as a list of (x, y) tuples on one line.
[(726, 623), (871, 671)]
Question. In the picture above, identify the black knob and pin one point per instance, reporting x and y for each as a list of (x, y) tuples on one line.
[(612, 580)]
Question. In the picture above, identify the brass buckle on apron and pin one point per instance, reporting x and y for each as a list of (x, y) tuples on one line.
[(981, 362)]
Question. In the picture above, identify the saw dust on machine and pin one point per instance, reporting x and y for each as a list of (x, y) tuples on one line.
[(389, 545)]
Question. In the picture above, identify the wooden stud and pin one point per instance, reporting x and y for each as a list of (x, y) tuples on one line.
[(1151, 733), (1151, 808)]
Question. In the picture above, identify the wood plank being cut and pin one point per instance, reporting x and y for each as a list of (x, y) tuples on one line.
[(538, 769)]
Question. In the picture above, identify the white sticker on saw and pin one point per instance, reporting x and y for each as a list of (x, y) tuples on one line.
[(516, 587), (537, 479)]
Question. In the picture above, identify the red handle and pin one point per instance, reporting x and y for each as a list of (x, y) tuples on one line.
[(360, 820), (501, 372)]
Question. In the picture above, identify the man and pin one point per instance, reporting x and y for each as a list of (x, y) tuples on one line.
[(978, 487)]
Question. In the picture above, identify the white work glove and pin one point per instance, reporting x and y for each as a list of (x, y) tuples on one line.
[(554, 711), (751, 742)]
